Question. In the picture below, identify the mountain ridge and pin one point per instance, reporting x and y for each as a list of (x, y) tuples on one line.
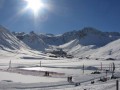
[(86, 36), (88, 42)]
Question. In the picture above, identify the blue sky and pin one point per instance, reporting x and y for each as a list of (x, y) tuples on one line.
[(62, 16)]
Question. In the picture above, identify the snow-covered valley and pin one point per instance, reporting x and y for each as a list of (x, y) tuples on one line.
[(24, 62)]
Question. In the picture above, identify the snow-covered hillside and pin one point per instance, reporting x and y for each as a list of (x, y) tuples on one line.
[(87, 42), (111, 50), (82, 43), (76, 49), (34, 41), (9, 41)]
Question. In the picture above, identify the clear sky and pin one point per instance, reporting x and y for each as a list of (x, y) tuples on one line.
[(61, 16)]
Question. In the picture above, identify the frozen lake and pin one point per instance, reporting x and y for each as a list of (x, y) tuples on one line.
[(67, 71)]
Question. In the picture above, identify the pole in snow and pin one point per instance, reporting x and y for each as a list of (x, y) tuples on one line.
[(106, 73), (117, 85), (10, 64), (109, 67), (101, 66), (83, 68), (40, 63), (113, 67)]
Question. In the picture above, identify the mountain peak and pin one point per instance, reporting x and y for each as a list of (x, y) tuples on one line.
[(90, 30)]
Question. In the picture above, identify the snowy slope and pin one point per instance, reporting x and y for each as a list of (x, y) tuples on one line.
[(9, 41), (32, 40), (69, 45), (92, 46), (76, 49), (111, 50), (90, 42)]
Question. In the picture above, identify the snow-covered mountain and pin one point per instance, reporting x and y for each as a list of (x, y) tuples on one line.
[(86, 36), (82, 43), (9, 41), (88, 42), (32, 40)]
